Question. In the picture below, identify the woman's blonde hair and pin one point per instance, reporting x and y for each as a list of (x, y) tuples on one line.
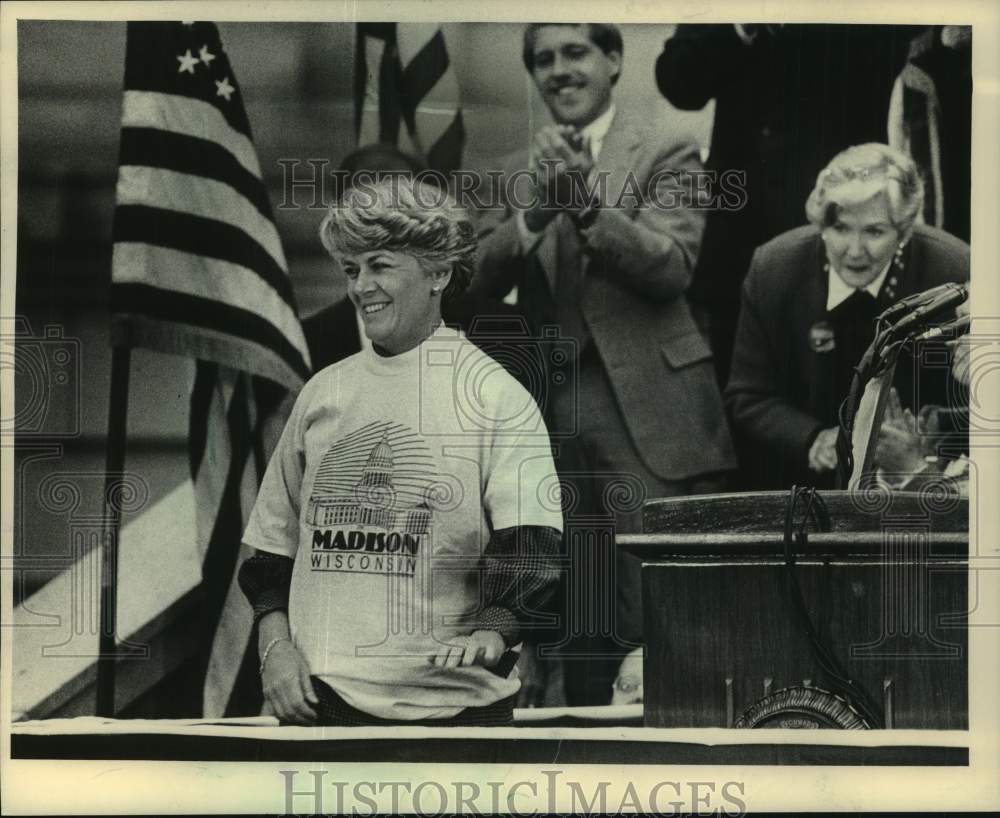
[(404, 215), (860, 172)]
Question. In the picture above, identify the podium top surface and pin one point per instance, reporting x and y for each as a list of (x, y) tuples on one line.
[(751, 525), (764, 512)]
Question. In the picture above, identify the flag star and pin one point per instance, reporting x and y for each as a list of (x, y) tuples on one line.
[(206, 55), (224, 88), (187, 62)]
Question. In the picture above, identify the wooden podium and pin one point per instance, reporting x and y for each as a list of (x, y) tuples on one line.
[(885, 589)]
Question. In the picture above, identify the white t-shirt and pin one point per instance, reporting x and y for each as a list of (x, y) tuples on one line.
[(388, 479)]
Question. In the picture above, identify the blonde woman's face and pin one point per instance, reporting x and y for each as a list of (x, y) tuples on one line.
[(394, 297), (861, 242)]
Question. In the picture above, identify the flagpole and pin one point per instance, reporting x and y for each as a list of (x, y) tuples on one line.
[(114, 467)]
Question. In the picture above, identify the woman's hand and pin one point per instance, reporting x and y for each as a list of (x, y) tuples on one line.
[(898, 453), (823, 452), (899, 450), (288, 688), (478, 648)]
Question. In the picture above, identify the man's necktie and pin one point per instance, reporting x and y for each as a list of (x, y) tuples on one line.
[(569, 280)]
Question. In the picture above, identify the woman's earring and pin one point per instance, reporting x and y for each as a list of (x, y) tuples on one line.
[(435, 289)]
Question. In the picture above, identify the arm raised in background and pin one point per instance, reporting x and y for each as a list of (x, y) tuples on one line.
[(753, 396), (698, 62)]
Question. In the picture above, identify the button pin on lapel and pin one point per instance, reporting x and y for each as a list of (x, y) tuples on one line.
[(821, 337)]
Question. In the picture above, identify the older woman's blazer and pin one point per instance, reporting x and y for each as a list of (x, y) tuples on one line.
[(776, 359)]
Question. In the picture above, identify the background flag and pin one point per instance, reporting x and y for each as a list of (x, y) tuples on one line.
[(198, 270), (403, 77)]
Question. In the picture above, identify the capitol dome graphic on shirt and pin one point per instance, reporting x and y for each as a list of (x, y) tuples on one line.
[(378, 477)]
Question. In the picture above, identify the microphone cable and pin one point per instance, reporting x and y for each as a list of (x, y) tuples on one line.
[(817, 513)]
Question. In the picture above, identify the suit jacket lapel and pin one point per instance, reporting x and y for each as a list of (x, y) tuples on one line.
[(617, 154), (547, 254)]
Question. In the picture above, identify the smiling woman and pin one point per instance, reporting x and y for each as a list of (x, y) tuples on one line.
[(395, 296), (400, 531), (405, 247)]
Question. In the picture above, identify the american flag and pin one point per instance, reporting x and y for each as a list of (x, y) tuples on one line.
[(403, 77), (198, 270)]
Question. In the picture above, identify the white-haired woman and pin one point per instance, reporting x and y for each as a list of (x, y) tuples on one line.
[(808, 307), (409, 519)]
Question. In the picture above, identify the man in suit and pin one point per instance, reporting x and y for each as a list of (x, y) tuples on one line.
[(787, 98), (600, 239)]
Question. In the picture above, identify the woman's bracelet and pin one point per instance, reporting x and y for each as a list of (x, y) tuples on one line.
[(267, 650)]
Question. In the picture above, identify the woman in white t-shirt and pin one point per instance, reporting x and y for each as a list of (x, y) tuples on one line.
[(409, 520)]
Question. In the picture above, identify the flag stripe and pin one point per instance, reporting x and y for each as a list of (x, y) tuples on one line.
[(202, 391), (223, 545), (411, 37), (437, 112), (152, 65), (446, 153), (416, 85), (190, 117), (229, 689), (210, 201), (198, 270), (424, 71), (369, 59), (198, 236), (210, 279), (390, 109), (247, 683), (192, 155), (205, 343), (223, 327), (210, 403), (360, 81)]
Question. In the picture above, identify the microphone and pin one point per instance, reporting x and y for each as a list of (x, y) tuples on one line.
[(954, 295), (904, 304), (959, 326)]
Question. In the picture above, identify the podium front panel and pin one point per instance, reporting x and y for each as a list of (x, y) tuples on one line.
[(723, 639)]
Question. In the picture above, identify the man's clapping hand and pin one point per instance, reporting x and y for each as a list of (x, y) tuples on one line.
[(562, 162)]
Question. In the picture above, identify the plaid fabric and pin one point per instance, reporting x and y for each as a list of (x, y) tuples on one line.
[(265, 580), (521, 573), (333, 711)]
